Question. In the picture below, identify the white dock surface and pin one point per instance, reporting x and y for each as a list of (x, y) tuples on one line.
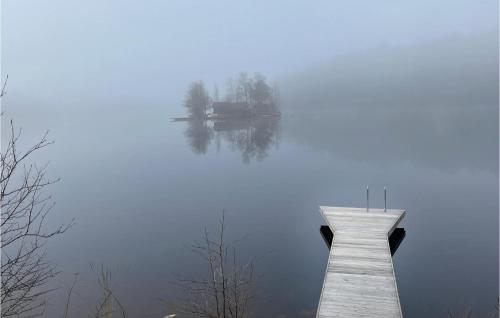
[(359, 280)]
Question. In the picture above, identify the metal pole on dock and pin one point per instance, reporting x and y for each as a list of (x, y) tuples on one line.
[(385, 199), (367, 198)]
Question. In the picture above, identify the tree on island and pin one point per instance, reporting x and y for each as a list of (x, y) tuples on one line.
[(251, 90), (260, 91), (197, 100), (239, 90)]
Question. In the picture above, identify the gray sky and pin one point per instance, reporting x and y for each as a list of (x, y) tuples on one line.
[(151, 50)]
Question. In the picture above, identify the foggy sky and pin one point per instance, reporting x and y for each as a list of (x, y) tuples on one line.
[(70, 56), (73, 53)]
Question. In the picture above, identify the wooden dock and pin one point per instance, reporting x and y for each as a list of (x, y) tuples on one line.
[(359, 279)]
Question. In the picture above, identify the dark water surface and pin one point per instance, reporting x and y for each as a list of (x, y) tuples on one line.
[(141, 190)]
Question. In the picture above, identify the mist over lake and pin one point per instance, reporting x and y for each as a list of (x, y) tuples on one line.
[(368, 96)]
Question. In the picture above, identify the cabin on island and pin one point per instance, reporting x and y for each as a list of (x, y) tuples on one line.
[(231, 109)]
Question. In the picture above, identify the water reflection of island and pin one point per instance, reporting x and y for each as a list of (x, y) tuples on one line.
[(252, 137), (247, 119)]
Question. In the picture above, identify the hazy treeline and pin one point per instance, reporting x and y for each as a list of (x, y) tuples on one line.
[(456, 70)]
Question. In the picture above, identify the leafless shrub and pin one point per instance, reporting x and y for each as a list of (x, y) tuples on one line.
[(104, 309), (228, 289), (24, 209)]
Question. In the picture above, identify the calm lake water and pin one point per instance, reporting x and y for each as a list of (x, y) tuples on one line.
[(141, 190)]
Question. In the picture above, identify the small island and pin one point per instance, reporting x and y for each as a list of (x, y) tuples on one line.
[(246, 118), (245, 97)]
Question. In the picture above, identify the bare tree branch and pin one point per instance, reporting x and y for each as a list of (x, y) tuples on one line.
[(3, 91), (24, 209), (66, 310)]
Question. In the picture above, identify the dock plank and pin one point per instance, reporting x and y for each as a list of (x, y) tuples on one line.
[(359, 279)]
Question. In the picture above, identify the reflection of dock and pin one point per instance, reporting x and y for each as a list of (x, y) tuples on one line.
[(359, 279)]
